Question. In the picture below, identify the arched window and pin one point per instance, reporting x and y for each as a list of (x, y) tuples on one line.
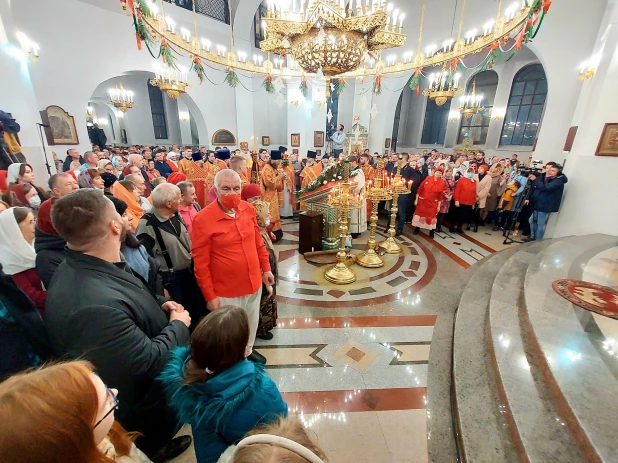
[(434, 127), (157, 110), (525, 109), (477, 126)]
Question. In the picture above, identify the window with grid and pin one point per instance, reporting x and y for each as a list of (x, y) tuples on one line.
[(477, 126), (434, 127), (216, 9), (525, 109), (157, 108)]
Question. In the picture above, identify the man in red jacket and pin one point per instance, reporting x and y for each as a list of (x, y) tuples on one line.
[(465, 199), (230, 258)]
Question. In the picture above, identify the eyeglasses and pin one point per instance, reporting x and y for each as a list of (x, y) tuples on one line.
[(111, 410)]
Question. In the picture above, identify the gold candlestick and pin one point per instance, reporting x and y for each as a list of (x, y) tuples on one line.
[(398, 187), (345, 201), (370, 258)]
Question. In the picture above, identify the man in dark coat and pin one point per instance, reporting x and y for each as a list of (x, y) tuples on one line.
[(98, 137), (98, 309), (547, 190)]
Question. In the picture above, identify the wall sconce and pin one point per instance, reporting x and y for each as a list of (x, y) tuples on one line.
[(184, 116), (589, 67), (28, 47), (453, 116), (295, 103), (497, 114)]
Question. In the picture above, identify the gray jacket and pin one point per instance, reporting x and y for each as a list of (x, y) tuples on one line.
[(175, 238)]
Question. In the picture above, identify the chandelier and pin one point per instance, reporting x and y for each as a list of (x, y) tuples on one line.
[(172, 81), (443, 86), (119, 97), (471, 103), (324, 35)]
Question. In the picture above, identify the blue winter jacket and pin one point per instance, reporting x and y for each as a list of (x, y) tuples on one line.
[(547, 193), (222, 410)]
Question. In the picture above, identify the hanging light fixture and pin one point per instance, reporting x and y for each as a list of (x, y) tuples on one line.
[(120, 98), (172, 81), (443, 86), (471, 103)]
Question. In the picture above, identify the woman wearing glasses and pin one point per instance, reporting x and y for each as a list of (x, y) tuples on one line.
[(62, 413)]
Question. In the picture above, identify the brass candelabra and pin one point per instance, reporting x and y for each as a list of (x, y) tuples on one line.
[(396, 188), (376, 192), (345, 201)]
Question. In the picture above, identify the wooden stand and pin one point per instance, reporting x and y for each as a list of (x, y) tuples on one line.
[(311, 229)]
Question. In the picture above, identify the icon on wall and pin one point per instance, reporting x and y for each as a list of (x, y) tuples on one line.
[(608, 144), (387, 143), (294, 151), (318, 139), (265, 141), (61, 130), (223, 137), (295, 139), (318, 152)]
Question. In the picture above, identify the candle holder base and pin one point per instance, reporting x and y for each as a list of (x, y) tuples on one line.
[(369, 259), (390, 246), (340, 274)]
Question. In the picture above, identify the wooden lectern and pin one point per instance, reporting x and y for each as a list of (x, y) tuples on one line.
[(311, 228)]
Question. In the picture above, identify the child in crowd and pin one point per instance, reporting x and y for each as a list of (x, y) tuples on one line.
[(284, 441), (216, 389), (506, 204), (73, 412)]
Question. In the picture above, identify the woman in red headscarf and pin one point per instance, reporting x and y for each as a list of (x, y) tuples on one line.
[(428, 199)]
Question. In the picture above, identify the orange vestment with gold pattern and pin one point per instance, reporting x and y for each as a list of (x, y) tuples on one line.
[(272, 186)]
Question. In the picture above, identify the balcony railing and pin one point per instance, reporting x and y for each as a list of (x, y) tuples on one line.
[(216, 9)]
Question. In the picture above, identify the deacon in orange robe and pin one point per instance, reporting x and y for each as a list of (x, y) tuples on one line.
[(311, 171), (198, 173), (272, 186), (185, 162)]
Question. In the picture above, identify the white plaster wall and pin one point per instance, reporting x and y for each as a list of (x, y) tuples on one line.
[(185, 126), (269, 119)]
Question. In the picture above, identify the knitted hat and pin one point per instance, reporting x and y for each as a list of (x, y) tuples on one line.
[(108, 179), (250, 191), (43, 221), (119, 204)]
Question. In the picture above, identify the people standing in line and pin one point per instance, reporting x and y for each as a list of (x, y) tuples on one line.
[(114, 320), (17, 254), (338, 139), (164, 235), (74, 408), (213, 387), (231, 260), (428, 200)]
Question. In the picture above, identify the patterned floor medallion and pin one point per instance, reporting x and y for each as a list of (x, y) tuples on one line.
[(599, 299)]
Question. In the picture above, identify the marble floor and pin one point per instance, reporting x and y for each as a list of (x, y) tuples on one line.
[(352, 361)]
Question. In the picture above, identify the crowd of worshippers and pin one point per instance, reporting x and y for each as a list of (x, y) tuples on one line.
[(145, 275), (128, 310)]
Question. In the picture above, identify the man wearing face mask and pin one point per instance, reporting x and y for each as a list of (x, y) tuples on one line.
[(231, 260), (99, 310)]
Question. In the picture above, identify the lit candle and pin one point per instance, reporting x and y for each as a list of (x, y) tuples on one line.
[(401, 18)]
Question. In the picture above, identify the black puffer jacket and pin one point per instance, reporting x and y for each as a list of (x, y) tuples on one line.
[(49, 254)]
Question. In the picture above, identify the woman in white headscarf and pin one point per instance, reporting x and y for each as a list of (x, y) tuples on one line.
[(17, 254), (18, 174)]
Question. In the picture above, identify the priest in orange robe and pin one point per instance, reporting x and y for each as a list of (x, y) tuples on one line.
[(311, 171), (272, 186), (185, 161), (370, 174), (199, 173)]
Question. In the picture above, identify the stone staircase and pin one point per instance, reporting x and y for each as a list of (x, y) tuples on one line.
[(532, 382)]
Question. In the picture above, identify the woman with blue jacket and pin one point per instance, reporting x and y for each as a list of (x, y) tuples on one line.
[(216, 389)]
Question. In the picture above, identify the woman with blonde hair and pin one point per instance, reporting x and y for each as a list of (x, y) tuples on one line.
[(62, 413), (285, 441)]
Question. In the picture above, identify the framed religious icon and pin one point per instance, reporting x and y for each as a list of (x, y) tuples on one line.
[(295, 139), (318, 139), (387, 143), (223, 137), (61, 130), (608, 144), (318, 152), (265, 141), (295, 151)]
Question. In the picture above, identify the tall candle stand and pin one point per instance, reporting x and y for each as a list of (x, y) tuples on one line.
[(397, 188), (376, 193), (344, 200)]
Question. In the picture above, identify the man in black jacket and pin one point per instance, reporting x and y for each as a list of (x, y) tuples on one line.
[(98, 309)]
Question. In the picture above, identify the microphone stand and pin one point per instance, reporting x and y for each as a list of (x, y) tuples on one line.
[(43, 145)]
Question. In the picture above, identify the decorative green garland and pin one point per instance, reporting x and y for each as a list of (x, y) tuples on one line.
[(332, 174)]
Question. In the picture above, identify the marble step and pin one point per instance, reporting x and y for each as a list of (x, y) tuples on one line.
[(537, 425), (483, 431), (574, 368)]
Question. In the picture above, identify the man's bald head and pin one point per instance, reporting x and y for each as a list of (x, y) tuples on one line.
[(136, 160)]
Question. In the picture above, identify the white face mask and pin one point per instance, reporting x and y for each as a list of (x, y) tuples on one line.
[(35, 201), (267, 223)]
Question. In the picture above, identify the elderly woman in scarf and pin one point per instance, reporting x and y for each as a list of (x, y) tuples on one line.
[(17, 254), (429, 198), (268, 304)]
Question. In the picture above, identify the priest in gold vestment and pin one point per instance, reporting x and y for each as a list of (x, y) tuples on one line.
[(311, 171), (272, 186)]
